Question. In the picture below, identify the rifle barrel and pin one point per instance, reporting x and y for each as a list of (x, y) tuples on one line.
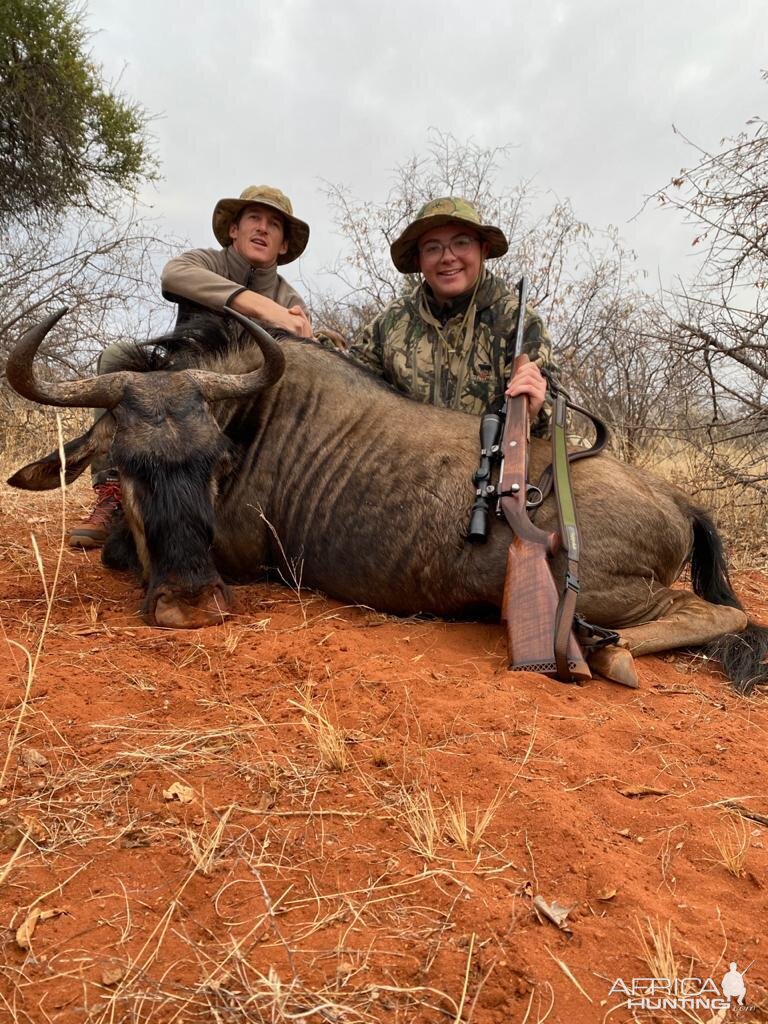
[(522, 296)]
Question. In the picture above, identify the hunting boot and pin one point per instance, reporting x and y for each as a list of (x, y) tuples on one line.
[(93, 531)]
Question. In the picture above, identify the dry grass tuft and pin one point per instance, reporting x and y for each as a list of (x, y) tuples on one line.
[(468, 833), (659, 957), (329, 739), (732, 845), (205, 845), (430, 821), (421, 821), (657, 951)]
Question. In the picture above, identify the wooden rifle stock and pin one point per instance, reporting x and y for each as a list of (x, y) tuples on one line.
[(529, 611), (530, 603)]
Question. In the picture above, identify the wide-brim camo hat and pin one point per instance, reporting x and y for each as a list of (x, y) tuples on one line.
[(297, 233), (435, 213)]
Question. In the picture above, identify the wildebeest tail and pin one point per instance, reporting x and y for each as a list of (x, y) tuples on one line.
[(709, 568), (744, 656)]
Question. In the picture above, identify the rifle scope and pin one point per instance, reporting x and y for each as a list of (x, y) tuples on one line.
[(490, 429)]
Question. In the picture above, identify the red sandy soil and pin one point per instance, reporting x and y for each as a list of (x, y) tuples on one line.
[(298, 882)]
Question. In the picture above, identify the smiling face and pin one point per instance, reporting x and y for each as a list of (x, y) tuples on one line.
[(448, 274), (258, 235)]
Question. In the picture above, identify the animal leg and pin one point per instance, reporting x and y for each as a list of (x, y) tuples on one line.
[(687, 621), (690, 621)]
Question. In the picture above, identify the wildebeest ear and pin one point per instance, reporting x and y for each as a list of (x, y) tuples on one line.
[(45, 474)]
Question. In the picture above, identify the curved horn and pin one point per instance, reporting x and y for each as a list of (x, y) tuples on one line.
[(217, 386), (100, 392)]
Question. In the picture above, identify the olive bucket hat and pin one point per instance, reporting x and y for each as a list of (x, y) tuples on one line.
[(434, 214), (297, 231)]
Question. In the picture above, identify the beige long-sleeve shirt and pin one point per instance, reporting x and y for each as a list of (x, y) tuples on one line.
[(209, 278)]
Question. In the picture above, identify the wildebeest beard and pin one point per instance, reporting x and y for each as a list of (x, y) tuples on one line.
[(170, 489), (172, 508)]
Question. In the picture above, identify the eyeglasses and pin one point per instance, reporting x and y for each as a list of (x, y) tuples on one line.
[(461, 245)]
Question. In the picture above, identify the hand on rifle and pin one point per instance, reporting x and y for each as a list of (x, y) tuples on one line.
[(528, 380)]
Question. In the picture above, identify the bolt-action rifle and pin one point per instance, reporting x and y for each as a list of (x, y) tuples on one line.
[(531, 606)]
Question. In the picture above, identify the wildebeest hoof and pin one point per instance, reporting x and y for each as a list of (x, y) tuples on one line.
[(615, 664), (210, 608)]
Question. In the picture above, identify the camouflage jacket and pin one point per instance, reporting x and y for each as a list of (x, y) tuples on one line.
[(451, 356)]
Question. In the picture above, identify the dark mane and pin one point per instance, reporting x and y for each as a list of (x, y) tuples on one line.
[(188, 345), (204, 342)]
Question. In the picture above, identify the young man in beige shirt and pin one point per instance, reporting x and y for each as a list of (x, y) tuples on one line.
[(257, 232)]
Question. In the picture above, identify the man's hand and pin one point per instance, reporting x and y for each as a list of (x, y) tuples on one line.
[(302, 326), (261, 308), (528, 380)]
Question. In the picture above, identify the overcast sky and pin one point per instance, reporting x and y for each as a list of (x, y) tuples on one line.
[(290, 92)]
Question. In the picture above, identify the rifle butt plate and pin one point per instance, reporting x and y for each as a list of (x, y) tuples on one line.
[(549, 668)]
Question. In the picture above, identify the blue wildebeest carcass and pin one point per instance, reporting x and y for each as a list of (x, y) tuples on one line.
[(235, 459)]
